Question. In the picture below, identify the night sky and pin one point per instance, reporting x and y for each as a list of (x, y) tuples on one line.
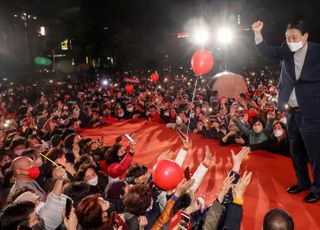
[(141, 33)]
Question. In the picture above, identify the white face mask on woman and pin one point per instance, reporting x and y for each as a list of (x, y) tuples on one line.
[(93, 182), (277, 133)]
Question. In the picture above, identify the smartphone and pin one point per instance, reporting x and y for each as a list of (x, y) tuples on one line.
[(118, 139), (68, 207), (181, 134), (129, 138), (180, 221), (187, 173), (184, 222)]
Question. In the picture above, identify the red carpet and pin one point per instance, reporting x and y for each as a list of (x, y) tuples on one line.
[(272, 174)]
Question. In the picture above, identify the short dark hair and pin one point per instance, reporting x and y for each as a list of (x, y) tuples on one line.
[(15, 214), (77, 190), (137, 200), (29, 152), (299, 25), (68, 141), (83, 169), (13, 196), (55, 153), (278, 219), (111, 155), (84, 159), (182, 203), (256, 119), (18, 141), (136, 170), (89, 213)]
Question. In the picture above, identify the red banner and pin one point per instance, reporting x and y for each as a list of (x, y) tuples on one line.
[(131, 80)]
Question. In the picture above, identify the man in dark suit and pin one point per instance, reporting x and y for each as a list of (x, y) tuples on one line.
[(299, 94)]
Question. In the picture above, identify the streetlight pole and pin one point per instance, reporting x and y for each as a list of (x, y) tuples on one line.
[(25, 17)]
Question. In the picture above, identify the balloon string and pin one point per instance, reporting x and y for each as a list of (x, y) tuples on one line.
[(47, 158), (192, 101)]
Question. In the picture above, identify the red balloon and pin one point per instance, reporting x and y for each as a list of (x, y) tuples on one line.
[(129, 88), (167, 174), (202, 62), (154, 77)]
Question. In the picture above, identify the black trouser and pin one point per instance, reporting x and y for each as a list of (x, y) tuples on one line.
[(304, 139)]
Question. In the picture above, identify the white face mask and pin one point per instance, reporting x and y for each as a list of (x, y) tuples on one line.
[(283, 120), (130, 109), (204, 109), (278, 133), (166, 114), (120, 114), (93, 182), (39, 207), (295, 46)]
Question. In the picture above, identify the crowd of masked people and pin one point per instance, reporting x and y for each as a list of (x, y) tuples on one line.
[(54, 178)]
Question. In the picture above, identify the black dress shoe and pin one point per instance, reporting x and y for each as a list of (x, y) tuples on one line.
[(312, 198), (295, 189)]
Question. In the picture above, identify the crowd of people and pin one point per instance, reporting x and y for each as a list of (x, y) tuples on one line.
[(54, 178)]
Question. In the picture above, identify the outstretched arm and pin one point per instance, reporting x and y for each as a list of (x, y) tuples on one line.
[(273, 52)]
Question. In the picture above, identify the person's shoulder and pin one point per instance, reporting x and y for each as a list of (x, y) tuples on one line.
[(314, 45)]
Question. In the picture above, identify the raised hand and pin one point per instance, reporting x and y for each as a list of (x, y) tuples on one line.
[(133, 145), (165, 155), (143, 221), (240, 188), (194, 206), (271, 115), (59, 173), (237, 159), (257, 27), (208, 157), (186, 142), (72, 222), (226, 185), (183, 186)]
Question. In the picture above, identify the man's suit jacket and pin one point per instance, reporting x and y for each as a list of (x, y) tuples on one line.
[(307, 87)]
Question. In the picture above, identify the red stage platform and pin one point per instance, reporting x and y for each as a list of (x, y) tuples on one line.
[(272, 174)]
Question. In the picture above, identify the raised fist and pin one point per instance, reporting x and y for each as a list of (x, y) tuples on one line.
[(257, 27)]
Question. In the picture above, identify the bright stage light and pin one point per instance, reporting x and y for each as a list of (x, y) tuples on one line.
[(42, 31), (105, 82), (200, 36), (225, 35)]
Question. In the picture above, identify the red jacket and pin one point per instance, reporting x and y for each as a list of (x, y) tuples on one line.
[(117, 169)]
